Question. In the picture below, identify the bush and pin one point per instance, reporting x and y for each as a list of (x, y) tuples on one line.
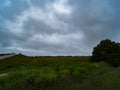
[(108, 51)]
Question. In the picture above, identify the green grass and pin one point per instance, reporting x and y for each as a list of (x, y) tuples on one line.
[(57, 73)]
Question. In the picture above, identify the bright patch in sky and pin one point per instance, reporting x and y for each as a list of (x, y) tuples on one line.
[(7, 3), (61, 7)]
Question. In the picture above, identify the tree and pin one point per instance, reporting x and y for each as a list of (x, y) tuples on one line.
[(108, 51)]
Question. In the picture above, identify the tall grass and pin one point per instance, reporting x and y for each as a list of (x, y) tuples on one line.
[(58, 73)]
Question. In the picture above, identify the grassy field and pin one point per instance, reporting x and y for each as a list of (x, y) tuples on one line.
[(57, 73)]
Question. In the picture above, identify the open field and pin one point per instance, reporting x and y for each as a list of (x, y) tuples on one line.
[(57, 73)]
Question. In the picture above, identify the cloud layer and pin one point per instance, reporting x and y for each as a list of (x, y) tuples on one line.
[(57, 27)]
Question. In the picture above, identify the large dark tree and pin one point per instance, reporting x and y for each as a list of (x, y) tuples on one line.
[(108, 51)]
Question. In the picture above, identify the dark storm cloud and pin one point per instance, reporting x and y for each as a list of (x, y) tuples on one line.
[(98, 19), (57, 27)]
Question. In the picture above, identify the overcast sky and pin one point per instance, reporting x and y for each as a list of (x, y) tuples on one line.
[(57, 27)]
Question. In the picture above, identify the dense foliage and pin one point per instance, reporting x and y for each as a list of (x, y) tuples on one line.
[(108, 51)]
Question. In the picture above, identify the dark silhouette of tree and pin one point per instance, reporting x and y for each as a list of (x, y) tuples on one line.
[(108, 51)]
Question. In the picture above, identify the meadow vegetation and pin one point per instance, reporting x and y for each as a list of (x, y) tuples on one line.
[(57, 73)]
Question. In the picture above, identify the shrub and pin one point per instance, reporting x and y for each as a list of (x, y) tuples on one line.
[(108, 51)]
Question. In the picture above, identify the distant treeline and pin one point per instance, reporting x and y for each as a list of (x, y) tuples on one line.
[(6, 54)]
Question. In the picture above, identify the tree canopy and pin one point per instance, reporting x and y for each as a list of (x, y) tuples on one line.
[(108, 51)]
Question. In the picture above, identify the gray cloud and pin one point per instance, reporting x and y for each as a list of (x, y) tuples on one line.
[(58, 27), (98, 19)]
